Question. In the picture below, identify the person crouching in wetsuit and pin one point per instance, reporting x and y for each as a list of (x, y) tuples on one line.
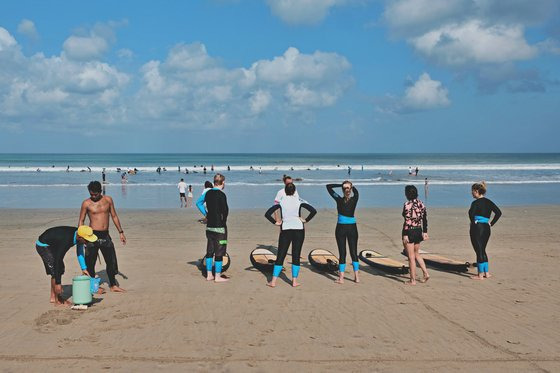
[(479, 215), (415, 230), (291, 232), (215, 215), (346, 229), (53, 244)]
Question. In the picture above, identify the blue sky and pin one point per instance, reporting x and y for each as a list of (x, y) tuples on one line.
[(280, 76)]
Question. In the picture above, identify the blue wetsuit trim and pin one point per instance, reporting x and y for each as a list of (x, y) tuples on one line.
[(341, 268), (80, 253), (481, 219), (208, 264), (218, 266), (39, 243), (295, 271), (346, 219), (200, 204), (356, 266), (277, 270)]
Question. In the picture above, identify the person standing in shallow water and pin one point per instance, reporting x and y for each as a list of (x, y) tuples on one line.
[(346, 229), (479, 216), (415, 230)]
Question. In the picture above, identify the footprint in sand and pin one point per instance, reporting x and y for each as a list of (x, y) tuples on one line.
[(49, 321)]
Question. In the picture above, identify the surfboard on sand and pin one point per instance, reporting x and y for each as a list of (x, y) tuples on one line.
[(323, 260), (225, 264), (443, 263), (263, 259), (379, 261)]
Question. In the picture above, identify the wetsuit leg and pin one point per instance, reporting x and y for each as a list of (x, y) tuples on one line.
[(352, 237), (480, 234), (92, 251), (284, 241), (340, 234), (297, 244), (211, 246), (110, 256), (220, 251)]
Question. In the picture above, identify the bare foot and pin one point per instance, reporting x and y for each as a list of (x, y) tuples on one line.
[(52, 300), (295, 284), (63, 303), (488, 275), (356, 278), (272, 285), (210, 278), (410, 283), (221, 279), (100, 290), (116, 289), (425, 279), (475, 277), (339, 281)]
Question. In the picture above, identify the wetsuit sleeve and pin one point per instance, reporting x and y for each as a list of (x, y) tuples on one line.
[(471, 213), (356, 194), (200, 204), (269, 212), (311, 210), (80, 254), (333, 194), (497, 213), (425, 221)]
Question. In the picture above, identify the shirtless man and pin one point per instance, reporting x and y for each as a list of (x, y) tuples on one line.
[(98, 208)]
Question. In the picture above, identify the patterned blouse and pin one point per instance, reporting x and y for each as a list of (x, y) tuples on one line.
[(415, 215)]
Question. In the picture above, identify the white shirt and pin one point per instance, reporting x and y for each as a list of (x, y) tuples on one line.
[(182, 186), (290, 206), (282, 193)]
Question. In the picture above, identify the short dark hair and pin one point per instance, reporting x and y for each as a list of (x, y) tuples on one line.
[(410, 192), (286, 177), (290, 189), (208, 184), (182, 179), (480, 188), (94, 186)]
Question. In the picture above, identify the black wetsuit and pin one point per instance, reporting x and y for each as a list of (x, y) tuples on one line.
[(346, 229), (480, 228), (52, 245), (216, 227), (105, 244)]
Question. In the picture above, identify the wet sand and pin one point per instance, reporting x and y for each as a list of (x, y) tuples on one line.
[(171, 319)]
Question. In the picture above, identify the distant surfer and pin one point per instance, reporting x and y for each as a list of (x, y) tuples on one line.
[(213, 205), (291, 231), (415, 230), (346, 229), (479, 215)]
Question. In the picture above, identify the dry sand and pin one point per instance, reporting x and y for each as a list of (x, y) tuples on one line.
[(171, 319)]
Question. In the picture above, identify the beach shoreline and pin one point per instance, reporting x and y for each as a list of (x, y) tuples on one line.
[(172, 319)]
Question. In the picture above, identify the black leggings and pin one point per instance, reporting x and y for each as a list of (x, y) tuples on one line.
[(105, 244), (293, 236), (348, 232), (480, 234)]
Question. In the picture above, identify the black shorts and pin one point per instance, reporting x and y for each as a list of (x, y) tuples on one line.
[(414, 235), (182, 195), (47, 256)]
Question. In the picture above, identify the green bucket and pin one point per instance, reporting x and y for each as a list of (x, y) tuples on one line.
[(81, 290)]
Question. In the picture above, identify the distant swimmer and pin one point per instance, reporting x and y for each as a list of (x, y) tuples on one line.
[(426, 188), (68, 169), (124, 180), (415, 230), (213, 205), (89, 169), (292, 231), (98, 208), (178, 168), (189, 196), (52, 245), (349, 170), (182, 186), (416, 171), (228, 168), (212, 168), (204, 170), (103, 176), (38, 170), (479, 215), (346, 229)]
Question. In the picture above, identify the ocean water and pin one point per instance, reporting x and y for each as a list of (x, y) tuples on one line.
[(60, 180)]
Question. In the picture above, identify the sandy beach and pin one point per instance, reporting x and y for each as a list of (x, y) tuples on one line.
[(171, 319)]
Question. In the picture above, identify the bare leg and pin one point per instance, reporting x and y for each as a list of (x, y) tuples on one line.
[(340, 279), (487, 274), (421, 262), (272, 282), (356, 276), (294, 282), (209, 276), (219, 278), (411, 263)]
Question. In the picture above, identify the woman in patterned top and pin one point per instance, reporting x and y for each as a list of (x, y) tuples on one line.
[(415, 230)]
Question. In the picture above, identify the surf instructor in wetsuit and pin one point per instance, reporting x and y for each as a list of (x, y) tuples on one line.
[(98, 208)]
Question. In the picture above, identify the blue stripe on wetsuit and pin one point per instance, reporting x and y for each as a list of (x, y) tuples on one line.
[(346, 219), (356, 266), (295, 271), (481, 219), (276, 271), (218, 267), (341, 268), (208, 264), (39, 243)]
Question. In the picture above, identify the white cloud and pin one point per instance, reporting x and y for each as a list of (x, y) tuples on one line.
[(424, 94), (85, 48), (259, 101), (6, 40), (474, 42), (549, 46), (302, 12), (125, 53), (27, 28)]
